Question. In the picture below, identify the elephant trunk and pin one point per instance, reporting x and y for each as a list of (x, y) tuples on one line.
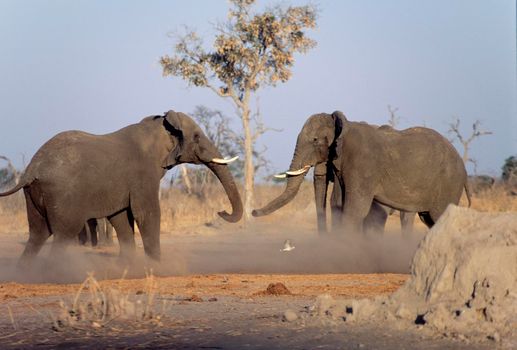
[(291, 189), (225, 177)]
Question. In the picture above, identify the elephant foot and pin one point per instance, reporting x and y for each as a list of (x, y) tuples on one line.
[(24, 264)]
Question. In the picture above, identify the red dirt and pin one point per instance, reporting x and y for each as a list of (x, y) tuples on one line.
[(239, 285)]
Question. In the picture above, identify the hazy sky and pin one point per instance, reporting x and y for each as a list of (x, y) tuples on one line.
[(93, 66)]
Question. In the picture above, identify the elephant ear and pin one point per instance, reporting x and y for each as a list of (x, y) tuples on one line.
[(172, 123), (339, 123)]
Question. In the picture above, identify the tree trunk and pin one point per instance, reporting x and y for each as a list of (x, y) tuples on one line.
[(465, 153), (249, 170), (186, 178)]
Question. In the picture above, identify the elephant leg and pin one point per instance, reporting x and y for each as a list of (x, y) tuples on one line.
[(64, 228), (123, 222), (356, 208), (92, 225), (320, 193), (38, 232), (376, 219), (431, 217), (109, 232), (426, 218), (105, 231), (149, 225), (83, 235), (101, 231), (407, 220), (336, 206)]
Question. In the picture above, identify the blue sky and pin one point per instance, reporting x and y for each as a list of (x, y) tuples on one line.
[(93, 66)]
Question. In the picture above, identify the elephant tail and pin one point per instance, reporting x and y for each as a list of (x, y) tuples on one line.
[(15, 189), (24, 181), (467, 192)]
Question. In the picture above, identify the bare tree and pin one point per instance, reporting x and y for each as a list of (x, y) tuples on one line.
[(218, 129), (250, 50), (454, 128), (394, 119)]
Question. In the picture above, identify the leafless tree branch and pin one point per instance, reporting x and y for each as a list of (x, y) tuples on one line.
[(454, 129), (394, 119)]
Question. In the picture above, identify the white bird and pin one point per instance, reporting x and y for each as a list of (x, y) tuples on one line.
[(287, 246)]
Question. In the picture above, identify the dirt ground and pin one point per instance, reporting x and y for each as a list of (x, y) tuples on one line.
[(211, 292)]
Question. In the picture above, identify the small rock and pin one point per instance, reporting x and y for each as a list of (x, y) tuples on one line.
[(212, 299), (290, 315)]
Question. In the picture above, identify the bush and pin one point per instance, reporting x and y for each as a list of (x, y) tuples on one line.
[(509, 174)]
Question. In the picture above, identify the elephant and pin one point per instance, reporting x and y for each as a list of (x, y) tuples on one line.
[(99, 231), (76, 176), (411, 170)]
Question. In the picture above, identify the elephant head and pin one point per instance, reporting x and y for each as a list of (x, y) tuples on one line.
[(315, 147), (193, 146)]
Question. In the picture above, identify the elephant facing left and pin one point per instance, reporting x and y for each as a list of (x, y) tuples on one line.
[(76, 176)]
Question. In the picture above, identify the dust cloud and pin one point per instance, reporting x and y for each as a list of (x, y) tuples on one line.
[(220, 249), (259, 251)]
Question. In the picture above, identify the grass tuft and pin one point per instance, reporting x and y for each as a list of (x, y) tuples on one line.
[(95, 306)]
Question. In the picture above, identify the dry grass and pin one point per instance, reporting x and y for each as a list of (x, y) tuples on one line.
[(181, 210), (95, 305), (13, 217), (496, 199)]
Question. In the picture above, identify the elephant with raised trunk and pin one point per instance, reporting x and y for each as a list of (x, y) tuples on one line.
[(412, 170), (76, 176)]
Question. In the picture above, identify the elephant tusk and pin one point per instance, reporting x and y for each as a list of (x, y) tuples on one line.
[(299, 171), (280, 176), (225, 160)]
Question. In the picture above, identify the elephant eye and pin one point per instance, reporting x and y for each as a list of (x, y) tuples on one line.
[(315, 139), (196, 137)]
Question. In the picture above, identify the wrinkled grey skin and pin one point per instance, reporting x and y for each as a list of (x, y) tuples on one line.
[(76, 176), (413, 170), (376, 219)]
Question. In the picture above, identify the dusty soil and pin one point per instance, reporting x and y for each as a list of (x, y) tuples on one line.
[(210, 292), (236, 285), (227, 313)]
